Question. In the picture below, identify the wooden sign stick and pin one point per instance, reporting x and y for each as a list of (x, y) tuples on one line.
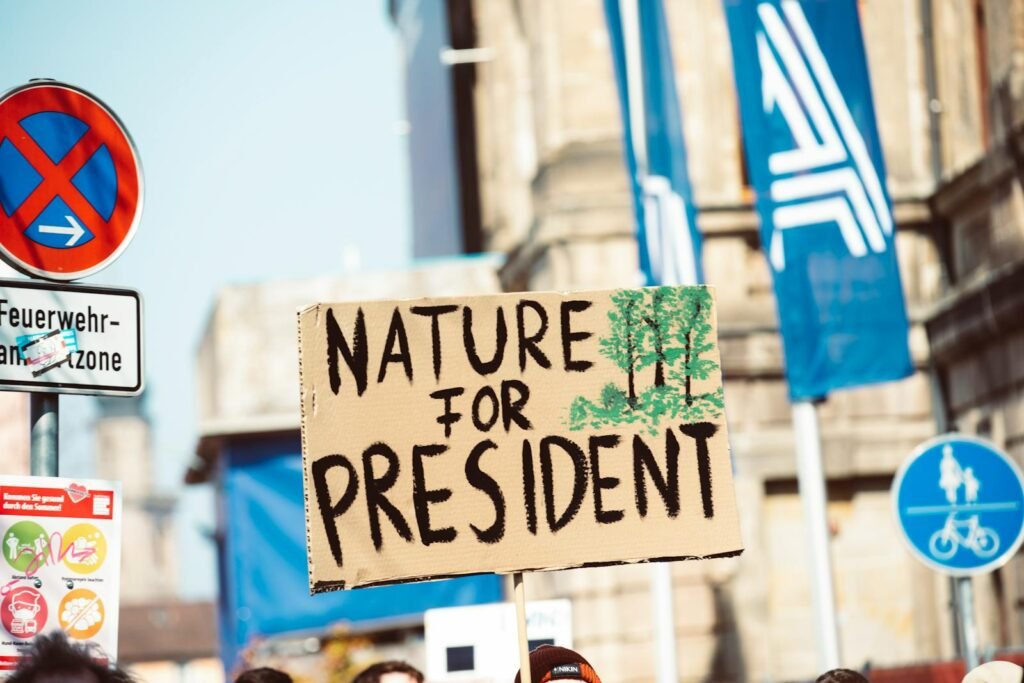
[(524, 642)]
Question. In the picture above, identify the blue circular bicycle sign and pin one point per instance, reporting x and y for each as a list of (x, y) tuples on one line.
[(960, 504)]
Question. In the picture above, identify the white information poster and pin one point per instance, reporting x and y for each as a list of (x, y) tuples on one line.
[(62, 560)]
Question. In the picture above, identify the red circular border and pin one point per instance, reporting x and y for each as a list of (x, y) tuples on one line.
[(110, 239)]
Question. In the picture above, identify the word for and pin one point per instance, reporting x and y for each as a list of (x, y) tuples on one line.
[(486, 408)]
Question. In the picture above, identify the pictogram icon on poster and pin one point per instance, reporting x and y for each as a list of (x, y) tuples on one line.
[(70, 182)]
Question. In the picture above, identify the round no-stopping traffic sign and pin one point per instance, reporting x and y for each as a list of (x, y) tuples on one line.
[(70, 182)]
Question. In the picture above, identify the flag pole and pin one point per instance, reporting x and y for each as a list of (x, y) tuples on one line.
[(811, 481), (662, 594)]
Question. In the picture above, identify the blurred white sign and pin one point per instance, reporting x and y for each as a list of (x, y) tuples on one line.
[(480, 643)]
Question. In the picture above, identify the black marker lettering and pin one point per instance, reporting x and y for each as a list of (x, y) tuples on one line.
[(355, 357), (376, 487), (529, 488), (594, 445), (667, 483), (482, 481), (529, 343), (701, 432), (512, 409), (448, 418), (500, 336), (330, 512), (568, 336), (396, 332), (435, 312), (478, 422), (579, 484), (422, 497)]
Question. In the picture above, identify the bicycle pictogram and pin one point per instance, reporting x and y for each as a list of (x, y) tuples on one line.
[(944, 543)]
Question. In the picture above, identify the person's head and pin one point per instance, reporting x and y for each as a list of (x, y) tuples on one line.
[(551, 663), (995, 672), (263, 675), (393, 671), (52, 659), (841, 676)]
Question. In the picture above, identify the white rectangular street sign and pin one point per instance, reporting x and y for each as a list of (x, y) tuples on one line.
[(70, 339)]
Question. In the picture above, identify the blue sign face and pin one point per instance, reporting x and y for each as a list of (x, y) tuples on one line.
[(960, 504)]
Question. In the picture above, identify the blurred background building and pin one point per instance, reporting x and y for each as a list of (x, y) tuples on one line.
[(515, 142), (160, 637)]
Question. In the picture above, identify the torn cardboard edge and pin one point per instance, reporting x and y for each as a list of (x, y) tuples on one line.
[(302, 442)]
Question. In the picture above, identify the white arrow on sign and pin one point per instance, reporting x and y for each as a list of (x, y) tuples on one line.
[(73, 230)]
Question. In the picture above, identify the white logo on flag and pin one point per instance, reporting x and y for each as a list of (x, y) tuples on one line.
[(828, 177), (667, 230)]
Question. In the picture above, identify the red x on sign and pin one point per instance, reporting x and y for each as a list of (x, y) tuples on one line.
[(70, 182)]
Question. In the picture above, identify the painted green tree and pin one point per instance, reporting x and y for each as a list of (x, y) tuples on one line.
[(622, 346), (671, 329), (659, 305), (691, 334)]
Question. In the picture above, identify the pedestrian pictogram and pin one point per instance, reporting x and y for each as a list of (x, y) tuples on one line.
[(960, 504), (70, 182)]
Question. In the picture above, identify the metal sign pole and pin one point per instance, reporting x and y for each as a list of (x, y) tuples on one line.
[(44, 413), (811, 481), (965, 619)]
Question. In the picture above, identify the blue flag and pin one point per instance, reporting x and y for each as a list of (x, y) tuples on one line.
[(817, 168), (667, 232)]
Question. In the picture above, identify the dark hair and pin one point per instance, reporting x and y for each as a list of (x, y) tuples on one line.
[(372, 674), (263, 675), (841, 676), (52, 656)]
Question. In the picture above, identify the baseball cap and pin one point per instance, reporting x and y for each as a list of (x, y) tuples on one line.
[(552, 663)]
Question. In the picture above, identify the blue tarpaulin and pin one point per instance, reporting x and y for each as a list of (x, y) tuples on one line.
[(264, 587)]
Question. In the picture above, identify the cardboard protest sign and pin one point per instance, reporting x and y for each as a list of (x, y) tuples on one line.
[(62, 562), (513, 432)]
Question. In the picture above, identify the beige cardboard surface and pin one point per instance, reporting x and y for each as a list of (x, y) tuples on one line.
[(513, 432)]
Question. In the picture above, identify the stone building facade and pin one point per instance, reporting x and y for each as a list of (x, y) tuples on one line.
[(550, 187), (976, 331)]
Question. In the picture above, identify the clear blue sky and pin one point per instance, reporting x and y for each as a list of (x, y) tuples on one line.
[(268, 133)]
